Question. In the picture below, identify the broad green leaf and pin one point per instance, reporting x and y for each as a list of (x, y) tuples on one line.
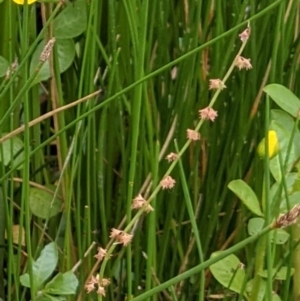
[(42, 204), (246, 195), (45, 264), (66, 54), (275, 169), (25, 280), (255, 225), (275, 297), (284, 98), (293, 199), (279, 275), (72, 21), (4, 65), (288, 123), (261, 290), (13, 151), (296, 186), (62, 284), (297, 167), (229, 272), (279, 236), (283, 124), (46, 297), (277, 194), (290, 180), (283, 136)]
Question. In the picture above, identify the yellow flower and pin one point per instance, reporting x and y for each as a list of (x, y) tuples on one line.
[(21, 2), (273, 145)]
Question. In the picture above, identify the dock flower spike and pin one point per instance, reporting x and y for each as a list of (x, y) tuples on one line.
[(21, 2)]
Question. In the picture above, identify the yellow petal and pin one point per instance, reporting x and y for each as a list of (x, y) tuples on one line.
[(273, 145), (21, 2)]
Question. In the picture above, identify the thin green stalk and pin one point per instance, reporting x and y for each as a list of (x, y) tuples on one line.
[(204, 265), (2, 241), (21, 93), (166, 236), (192, 218), (289, 148), (172, 166), (138, 38), (173, 294), (8, 34), (295, 235), (88, 74), (139, 81), (267, 201), (152, 261), (64, 157), (264, 244), (6, 85), (276, 53), (6, 50), (77, 170), (26, 166), (275, 212), (86, 228), (188, 142), (98, 140)]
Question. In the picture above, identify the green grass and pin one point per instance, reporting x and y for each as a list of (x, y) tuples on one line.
[(123, 83)]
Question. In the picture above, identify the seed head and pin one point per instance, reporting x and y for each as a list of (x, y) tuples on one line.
[(121, 236), (171, 157), (47, 50), (92, 283), (215, 84), (192, 135), (101, 291), (244, 36), (139, 202), (167, 183), (105, 282), (208, 113), (101, 254), (289, 218), (243, 63)]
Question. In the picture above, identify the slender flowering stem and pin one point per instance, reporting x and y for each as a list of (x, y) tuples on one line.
[(188, 142), (174, 163)]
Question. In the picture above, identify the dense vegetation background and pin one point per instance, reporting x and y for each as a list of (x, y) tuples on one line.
[(87, 127)]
